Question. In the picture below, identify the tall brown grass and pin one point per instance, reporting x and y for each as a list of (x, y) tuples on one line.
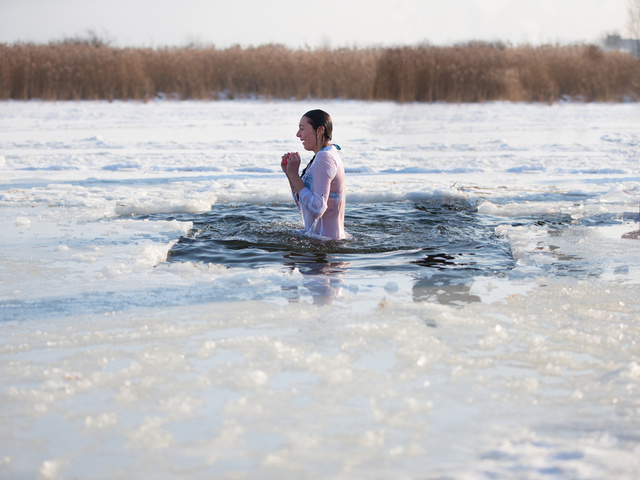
[(474, 72)]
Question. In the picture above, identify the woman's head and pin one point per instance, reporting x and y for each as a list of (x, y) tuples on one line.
[(315, 130)]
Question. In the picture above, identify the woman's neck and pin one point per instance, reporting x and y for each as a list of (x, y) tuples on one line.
[(322, 147)]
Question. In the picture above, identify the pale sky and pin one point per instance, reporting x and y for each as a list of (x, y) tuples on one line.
[(299, 23)]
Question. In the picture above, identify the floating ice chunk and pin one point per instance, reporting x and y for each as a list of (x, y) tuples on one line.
[(148, 207), (391, 287), (50, 469), (99, 421), (22, 222), (152, 255), (151, 434), (207, 349), (98, 140), (81, 257), (519, 209), (259, 377), (111, 272), (632, 371), (133, 164)]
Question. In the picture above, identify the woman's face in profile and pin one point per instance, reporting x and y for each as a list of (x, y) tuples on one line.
[(307, 134)]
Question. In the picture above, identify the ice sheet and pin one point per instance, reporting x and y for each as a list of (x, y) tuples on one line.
[(116, 361)]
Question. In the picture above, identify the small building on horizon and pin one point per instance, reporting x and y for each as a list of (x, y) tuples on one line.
[(614, 41)]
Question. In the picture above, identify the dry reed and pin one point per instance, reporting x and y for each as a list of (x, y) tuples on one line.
[(474, 72)]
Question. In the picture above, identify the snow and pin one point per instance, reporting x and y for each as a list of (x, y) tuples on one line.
[(116, 361)]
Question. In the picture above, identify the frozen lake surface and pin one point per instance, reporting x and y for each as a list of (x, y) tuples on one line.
[(162, 319)]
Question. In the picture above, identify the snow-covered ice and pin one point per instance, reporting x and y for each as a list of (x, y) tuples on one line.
[(117, 363)]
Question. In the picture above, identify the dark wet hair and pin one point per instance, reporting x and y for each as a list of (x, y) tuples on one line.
[(320, 118), (317, 119)]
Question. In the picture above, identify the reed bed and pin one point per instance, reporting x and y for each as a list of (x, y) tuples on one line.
[(474, 72)]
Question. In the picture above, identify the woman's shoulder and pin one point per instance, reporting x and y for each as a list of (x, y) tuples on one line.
[(329, 154), (329, 161)]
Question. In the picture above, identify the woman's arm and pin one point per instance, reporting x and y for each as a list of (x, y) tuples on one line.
[(315, 199)]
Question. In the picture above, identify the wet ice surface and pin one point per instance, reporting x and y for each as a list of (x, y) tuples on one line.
[(483, 323)]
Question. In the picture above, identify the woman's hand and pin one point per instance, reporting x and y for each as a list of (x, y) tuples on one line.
[(283, 163), (292, 164)]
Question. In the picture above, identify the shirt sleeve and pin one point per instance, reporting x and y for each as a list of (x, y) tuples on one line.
[(314, 199)]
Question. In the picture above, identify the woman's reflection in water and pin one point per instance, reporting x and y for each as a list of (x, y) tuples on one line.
[(322, 275)]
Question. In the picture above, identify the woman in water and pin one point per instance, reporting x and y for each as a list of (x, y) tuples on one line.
[(320, 191)]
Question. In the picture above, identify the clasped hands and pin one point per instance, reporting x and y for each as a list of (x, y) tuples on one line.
[(290, 163)]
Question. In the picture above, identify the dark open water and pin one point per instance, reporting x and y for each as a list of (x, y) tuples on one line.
[(452, 241)]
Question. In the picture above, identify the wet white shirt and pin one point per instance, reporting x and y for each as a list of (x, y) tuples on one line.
[(322, 203)]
